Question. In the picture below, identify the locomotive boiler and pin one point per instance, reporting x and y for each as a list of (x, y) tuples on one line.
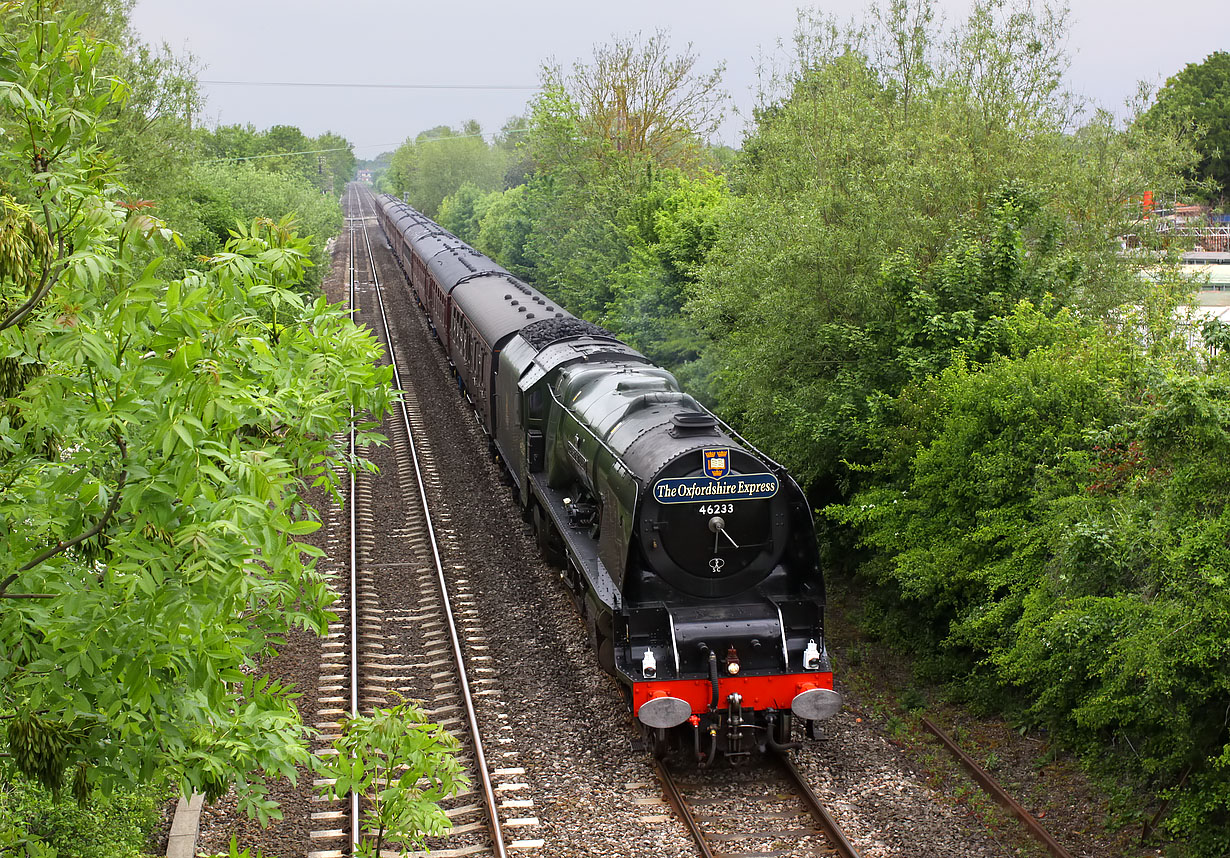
[(691, 555)]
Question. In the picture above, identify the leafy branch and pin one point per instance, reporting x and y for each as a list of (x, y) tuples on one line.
[(59, 548)]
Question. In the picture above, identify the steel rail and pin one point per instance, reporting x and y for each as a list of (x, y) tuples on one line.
[(355, 825), (837, 837), (489, 798), (828, 826), (997, 792), (675, 797)]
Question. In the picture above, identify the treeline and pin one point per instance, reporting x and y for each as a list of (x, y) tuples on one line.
[(911, 285), (238, 173), (608, 203)]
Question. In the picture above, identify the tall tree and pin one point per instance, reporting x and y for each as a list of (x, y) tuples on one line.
[(638, 100), (338, 163), (878, 154), (439, 161), (1199, 97)]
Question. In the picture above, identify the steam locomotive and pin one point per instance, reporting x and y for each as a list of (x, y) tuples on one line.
[(691, 555)]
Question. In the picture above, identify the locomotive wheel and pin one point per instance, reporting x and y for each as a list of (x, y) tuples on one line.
[(600, 634)]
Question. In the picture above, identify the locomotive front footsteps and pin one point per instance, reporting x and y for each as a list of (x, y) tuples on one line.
[(691, 555)]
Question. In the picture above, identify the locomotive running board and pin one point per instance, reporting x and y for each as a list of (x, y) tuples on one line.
[(582, 551)]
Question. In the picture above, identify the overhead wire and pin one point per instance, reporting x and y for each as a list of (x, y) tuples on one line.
[(493, 86)]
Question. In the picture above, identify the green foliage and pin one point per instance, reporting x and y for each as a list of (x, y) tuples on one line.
[(150, 130), (1198, 100), (462, 211), (667, 229), (151, 134), (618, 209), (967, 453), (117, 826), (889, 205), (1054, 523), (151, 473), (233, 850), (406, 765), (636, 103), (233, 179), (216, 198), (505, 228), (326, 162), (440, 161)]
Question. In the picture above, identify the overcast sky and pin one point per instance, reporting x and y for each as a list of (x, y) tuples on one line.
[(1113, 43)]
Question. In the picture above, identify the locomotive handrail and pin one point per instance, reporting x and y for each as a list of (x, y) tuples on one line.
[(674, 642), (752, 447), (781, 624)]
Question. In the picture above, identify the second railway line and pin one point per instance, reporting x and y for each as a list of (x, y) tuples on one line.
[(406, 634)]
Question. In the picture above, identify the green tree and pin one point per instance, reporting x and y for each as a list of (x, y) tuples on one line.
[(152, 464), (324, 162), (611, 219), (286, 149), (461, 212), (1050, 530), (638, 100), (149, 131), (510, 143), (504, 230), (338, 163), (439, 161), (874, 156), (230, 142), (1198, 98), (215, 198)]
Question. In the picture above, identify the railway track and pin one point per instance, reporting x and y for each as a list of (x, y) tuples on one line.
[(401, 634), (763, 812)]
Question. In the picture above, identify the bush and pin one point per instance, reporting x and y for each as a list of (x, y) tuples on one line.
[(118, 826), (218, 197), (1055, 525)]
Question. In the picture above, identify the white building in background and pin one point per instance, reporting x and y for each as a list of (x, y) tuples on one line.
[(1213, 299)]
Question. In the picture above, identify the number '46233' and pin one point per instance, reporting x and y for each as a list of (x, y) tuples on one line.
[(716, 508)]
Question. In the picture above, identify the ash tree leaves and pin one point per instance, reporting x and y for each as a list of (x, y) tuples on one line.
[(152, 473), (407, 766)]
